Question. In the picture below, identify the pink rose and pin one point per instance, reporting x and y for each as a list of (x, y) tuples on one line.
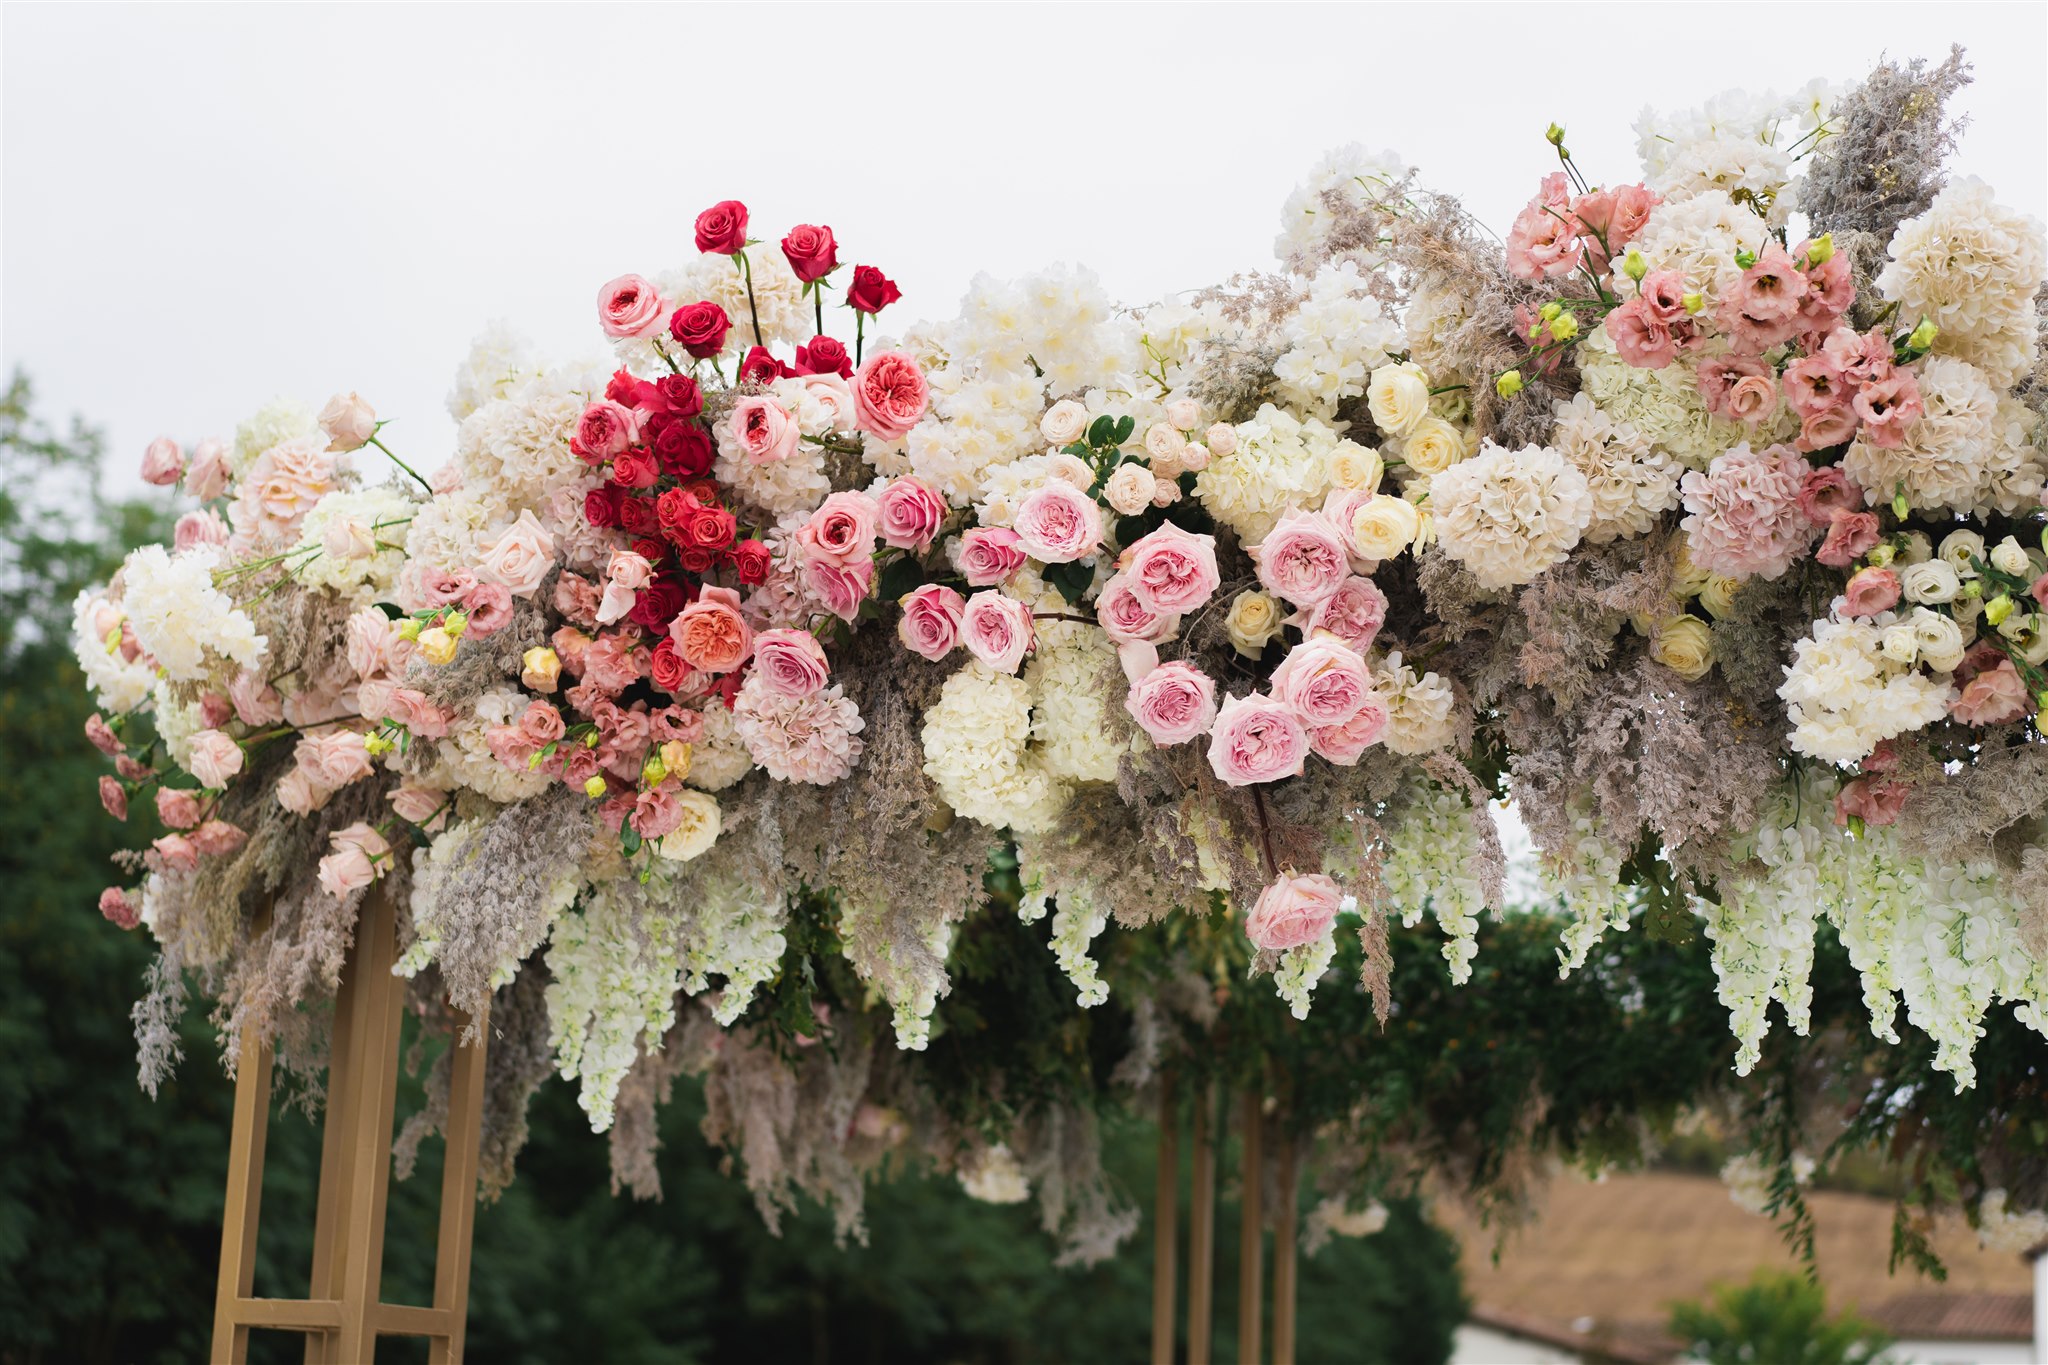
[(176, 852), (1873, 800), (1344, 744), (889, 394), (997, 630), (2039, 592), (1850, 536), (605, 431), (519, 556), (296, 793), (988, 555), (911, 514), (216, 837), (1173, 703), (764, 430), (1870, 591), (624, 577), (790, 663), (162, 462), (711, 634), (1992, 697), (1354, 613), (1256, 739), (1057, 523), (215, 758), (630, 307), (206, 478), (1303, 559), (1323, 680), (203, 527), (118, 906), (842, 530), (333, 760), (841, 587), (1125, 618), (352, 863), (1172, 571), (177, 808), (931, 621), (1293, 911)]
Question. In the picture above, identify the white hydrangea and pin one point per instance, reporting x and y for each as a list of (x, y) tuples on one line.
[(719, 758), (1281, 461), (119, 684), (1510, 515), (385, 513), (1973, 266), (448, 527), (278, 421), (192, 627), (1952, 455), (1418, 707), (1699, 237), (1335, 340), (1749, 1180), (611, 984), (1844, 696), (2000, 1229), (177, 722), (1354, 176), (778, 295), (977, 750), (1632, 483), (1736, 144), (1664, 406), (470, 761), (500, 361), (995, 1176), (1432, 849), (1069, 675), (519, 446)]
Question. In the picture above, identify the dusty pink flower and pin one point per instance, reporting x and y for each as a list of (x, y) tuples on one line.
[(576, 597), (216, 837), (113, 797), (297, 794), (1057, 523), (842, 530), (102, 735), (931, 621), (488, 607), (332, 760), (910, 514), (177, 808), (1992, 697), (889, 394), (1293, 911), (1256, 739), (1831, 427), (1814, 384), (842, 587), (352, 862), (1173, 703), (997, 630), (1850, 536), (1873, 800), (1303, 559), (1826, 491), (988, 555), (1761, 308), (1323, 680), (418, 805), (813, 739), (162, 462), (614, 662), (1830, 289), (656, 812), (764, 430), (790, 662), (630, 306), (206, 477), (711, 634), (1543, 241), (1617, 216), (1888, 403), (1744, 516), (1345, 744), (120, 907), (1125, 618), (1719, 375), (1870, 591), (214, 758), (1172, 571), (1642, 338), (203, 527), (1354, 613), (176, 853)]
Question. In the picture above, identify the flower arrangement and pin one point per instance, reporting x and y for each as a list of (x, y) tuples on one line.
[(1705, 520)]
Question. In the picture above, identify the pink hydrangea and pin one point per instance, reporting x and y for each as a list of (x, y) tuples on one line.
[(813, 739), (1744, 516)]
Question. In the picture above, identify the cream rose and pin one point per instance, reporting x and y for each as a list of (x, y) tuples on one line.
[(1384, 527), (1184, 413), (1221, 438), (1162, 442), (1684, 645), (1717, 595), (1130, 489), (519, 557), (1064, 423), (697, 832), (1254, 619), (1352, 465), (1398, 397), (349, 421), (1434, 446)]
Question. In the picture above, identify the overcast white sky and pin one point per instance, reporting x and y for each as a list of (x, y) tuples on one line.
[(202, 208)]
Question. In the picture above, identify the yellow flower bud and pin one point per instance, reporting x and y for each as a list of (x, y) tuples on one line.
[(409, 629), (455, 623), (1694, 302), (1550, 310), (1509, 384), (1554, 135), (377, 744), (1998, 608), (675, 756), (113, 640), (1822, 251), (1922, 336), (1564, 328), (594, 788), (1881, 554), (1634, 266), (540, 668), (1901, 507), (653, 770), (437, 646)]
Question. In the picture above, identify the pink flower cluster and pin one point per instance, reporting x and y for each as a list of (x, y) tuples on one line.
[(1744, 515), (1557, 233), (1322, 701)]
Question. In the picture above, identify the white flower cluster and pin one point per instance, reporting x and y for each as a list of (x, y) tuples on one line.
[(1664, 406), (1335, 339), (1762, 936), (1972, 266), (1701, 237), (1632, 482), (1300, 968), (273, 424), (1419, 707), (611, 983), (1845, 695), (2002, 1230), (516, 446), (1069, 675), (1510, 515), (119, 683), (190, 626), (1077, 923), (1586, 877), (911, 988), (1348, 178), (995, 1176), (1432, 851), (499, 363), (1736, 144), (719, 758), (977, 750), (362, 557), (734, 930), (1281, 461)]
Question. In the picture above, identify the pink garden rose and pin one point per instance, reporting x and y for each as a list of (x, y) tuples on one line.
[(997, 630), (1870, 591), (932, 616), (1323, 681), (203, 527), (711, 634), (351, 864), (604, 431), (842, 530), (206, 477), (1873, 800), (842, 587), (790, 663), (177, 808), (1293, 911), (1992, 697), (1125, 618), (764, 430), (1344, 744), (113, 797), (630, 307), (216, 837), (1173, 703), (1354, 613), (910, 514), (215, 758), (1172, 571), (889, 394), (176, 853), (162, 462), (120, 907), (988, 555), (1256, 739), (1303, 559), (1057, 523), (518, 557)]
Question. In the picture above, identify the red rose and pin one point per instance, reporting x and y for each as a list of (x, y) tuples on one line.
[(657, 604), (825, 355), (673, 508), (759, 367), (601, 508), (696, 558), (811, 252), (679, 395), (700, 328), (871, 290), (684, 451), (635, 468), (750, 559), (712, 528), (704, 491), (628, 390), (671, 674), (650, 549), (636, 515), (722, 228)]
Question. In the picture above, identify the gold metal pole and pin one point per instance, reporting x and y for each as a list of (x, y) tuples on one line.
[(1165, 1225), (1284, 1235), (1202, 1230), (1251, 1233)]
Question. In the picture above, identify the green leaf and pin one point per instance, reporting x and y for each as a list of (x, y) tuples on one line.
[(901, 575), (391, 610), (1100, 429), (629, 839), (1071, 579), (1124, 427)]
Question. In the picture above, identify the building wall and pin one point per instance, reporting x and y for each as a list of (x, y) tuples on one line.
[(1476, 1345), (1959, 1353)]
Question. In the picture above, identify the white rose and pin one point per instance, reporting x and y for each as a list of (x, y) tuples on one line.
[(1221, 439), (1434, 446), (1938, 640), (1064, 422), (1070, 469), (1130, 488), (2008, 557), (1900, 642), (1162, 442), (1384, 527), (1196, 457), (348, 421), (699, 830), (1254, 619), (1184, 413), (1717, 595), (1352, 465), (1684, 645), (520, 557), (1398, 398), (1957, 548), (1931, 580)]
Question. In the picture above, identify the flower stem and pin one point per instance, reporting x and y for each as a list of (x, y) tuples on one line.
[(747, 269), (402, 464)]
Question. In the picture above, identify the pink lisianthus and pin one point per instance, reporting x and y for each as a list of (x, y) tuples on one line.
[(1850, 536), (656, 812), (1992, 697), (764, 430), (1861, 356), (1642, 338), (576, 597), (1814, 384), (1888, 403), (1293, 911), (1761, 308), (889, 395), (1173, 703), (1172, 571), (1830, 427), (1354, 613), (488, 607), (1744, 516), (1615, 217), (1830, 289), (1323, 680), (711, 634), (1345, 744), (1869, 592), (932, 616), (1543, 242), (1873, 800), (1303, 559), (1256, 739), (1057, 523), (910, 514), (842, 530), (988, 555), (162, 462), (997, 630), (1718, 377), (1125, 618), (614, 661), (790, 663)]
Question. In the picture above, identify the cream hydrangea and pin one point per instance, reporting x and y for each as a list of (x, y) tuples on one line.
[(355, 540), (719, 758), (1335, 339), (273, 424), (977, 750), (500, 361), (1281, 461), (193, 628), (1664, 406), (1070, 675), (1509, 515), (1419, 707), (519, 445), (1737, 145), (470, 762), (1632, 482), (1972, 266), (1951, 457), (447, 528), (1700, 237), (1844, 696)]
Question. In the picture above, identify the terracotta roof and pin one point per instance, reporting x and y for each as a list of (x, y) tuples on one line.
[(1600, 1265)]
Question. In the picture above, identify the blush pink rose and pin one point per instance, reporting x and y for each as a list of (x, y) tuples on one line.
[(296, 793), (351, 863), (162, 462), (1873, 800), (1345, 744), (1057, 523), (711, 634), (841, 530), (997, 630), (889, 395), (841, 587), (605, 431), (1303, 559), (1354, 613), (629, 306), (790, 663), (1172, 571), (911, 514), (764, 430), (1870, 591), (1256, 739), (1992, 697), (176, 852), (215, 758), (207, 477), (988, 555), (1323, 680), (627, 573), (1293, 911), (177, 808), (216, 837), (1173, 703), (333, 760), (1126, 619), (932, 616), (519, 556), (113, 797), (203, 527), (120, 907)]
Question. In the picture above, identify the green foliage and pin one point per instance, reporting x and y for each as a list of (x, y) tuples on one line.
[(1775, 1317)]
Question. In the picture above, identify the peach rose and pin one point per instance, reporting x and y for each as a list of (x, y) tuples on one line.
[(710, 634)]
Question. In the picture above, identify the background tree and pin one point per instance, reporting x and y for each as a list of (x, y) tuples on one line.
[(1775, 1317)]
